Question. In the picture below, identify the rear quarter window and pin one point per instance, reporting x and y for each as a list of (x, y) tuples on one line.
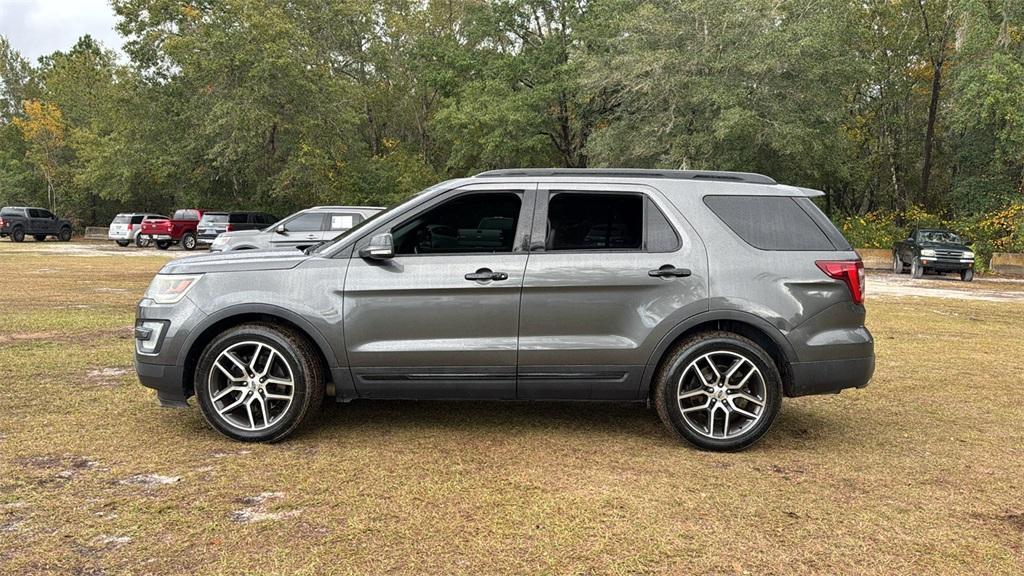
[(771, 222)]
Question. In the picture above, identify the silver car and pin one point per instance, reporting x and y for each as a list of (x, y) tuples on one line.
[(709, 295), (300, 230), (125, 228)]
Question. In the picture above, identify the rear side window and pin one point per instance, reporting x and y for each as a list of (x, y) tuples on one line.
[(137, 219), (344, 221), (661, 237), (238, 218), (770, 222), (580, 221)]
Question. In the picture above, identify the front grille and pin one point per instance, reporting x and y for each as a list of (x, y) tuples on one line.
[(949, 253)]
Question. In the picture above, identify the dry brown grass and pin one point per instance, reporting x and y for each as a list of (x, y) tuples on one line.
[(922, 472)]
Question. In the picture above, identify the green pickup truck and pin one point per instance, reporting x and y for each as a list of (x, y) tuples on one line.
[(933, 250)]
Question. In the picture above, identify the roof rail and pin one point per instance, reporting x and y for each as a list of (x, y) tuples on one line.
[(716, 175)]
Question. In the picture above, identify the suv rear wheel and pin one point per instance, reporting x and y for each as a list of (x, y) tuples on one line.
[(719, 391), (258, 382), (188, 241)]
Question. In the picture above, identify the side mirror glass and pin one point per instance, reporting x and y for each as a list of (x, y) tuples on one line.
[(281, 229), (381, 247)]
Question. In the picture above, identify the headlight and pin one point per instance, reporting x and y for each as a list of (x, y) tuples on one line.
[(927, 252), (969, 254), (171, 288)]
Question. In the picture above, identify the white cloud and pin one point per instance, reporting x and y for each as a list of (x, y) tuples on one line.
[(36, 28)]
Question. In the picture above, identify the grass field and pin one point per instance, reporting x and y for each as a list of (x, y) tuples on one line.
[(922, 472)]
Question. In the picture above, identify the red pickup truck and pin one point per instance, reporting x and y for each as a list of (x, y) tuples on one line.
[(180, 228)]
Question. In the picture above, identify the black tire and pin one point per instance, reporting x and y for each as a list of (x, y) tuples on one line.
[(18, 234), (141, 242), (163, 244), (967, 275), (897, 263), (673, 369), (64, 235), (122, 243), (188, 241), (301, 359), (916, 270), (39, 237)]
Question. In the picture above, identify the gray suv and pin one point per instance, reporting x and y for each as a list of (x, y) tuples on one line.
[(300, 230), (711, 295)]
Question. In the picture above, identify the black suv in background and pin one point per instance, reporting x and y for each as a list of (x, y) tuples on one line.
[(215, 223), (17, 221)]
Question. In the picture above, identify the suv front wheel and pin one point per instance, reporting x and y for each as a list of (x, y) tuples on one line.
[(258, 382), (719, 391)]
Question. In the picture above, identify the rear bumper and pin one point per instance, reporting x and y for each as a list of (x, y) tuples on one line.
[(165, 379), (830, 376), (157, 236)]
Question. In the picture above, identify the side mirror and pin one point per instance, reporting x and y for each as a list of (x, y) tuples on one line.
[(381, 247), (281, 229)]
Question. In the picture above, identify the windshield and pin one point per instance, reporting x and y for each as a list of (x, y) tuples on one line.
[(413, 199), (939, 236)]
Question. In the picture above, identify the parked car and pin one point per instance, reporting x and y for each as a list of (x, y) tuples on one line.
[(126, 228), (180, 228), (300, 230), (19, 221), (213, 224), (709, 294), (933, 250)]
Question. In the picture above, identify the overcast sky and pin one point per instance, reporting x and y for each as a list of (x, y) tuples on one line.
[(38, 27)]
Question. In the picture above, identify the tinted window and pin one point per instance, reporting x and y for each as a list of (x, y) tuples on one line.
[(35, 213), (595, 221), (344, 220), (661, 236), (238, 218), (137, 219), (770, 222), (307, 222), (472, 223), (122, 219), (826, 225), (185, 215)]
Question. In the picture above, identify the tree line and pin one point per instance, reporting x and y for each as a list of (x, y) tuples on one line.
[(276, 105)]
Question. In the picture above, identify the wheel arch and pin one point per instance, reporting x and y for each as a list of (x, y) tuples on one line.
[(743, 324), (244, 314)]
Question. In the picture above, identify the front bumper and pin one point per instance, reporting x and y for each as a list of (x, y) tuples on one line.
[(829, 376), (165, 379), (948, 264)]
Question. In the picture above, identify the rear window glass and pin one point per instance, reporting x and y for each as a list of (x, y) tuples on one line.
[(122, 219), (186, 215), (210, 218), (770, 222)]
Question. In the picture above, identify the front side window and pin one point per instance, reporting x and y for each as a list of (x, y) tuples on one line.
[(307, 222), (582, 221), (472, 223)]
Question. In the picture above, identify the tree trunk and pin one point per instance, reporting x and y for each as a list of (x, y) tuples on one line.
[(929, 135)]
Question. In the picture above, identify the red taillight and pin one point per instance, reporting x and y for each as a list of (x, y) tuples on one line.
[(849, 271), (130, 227), (228, 229), (1, 222)]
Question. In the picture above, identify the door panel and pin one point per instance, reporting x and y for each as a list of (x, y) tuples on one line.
[(415, 327), (590, 320)]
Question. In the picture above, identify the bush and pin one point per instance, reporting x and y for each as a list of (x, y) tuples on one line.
[(1001, 231)]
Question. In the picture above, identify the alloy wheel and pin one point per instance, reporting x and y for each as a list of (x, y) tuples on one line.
[(721, 395), (251, 386)]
